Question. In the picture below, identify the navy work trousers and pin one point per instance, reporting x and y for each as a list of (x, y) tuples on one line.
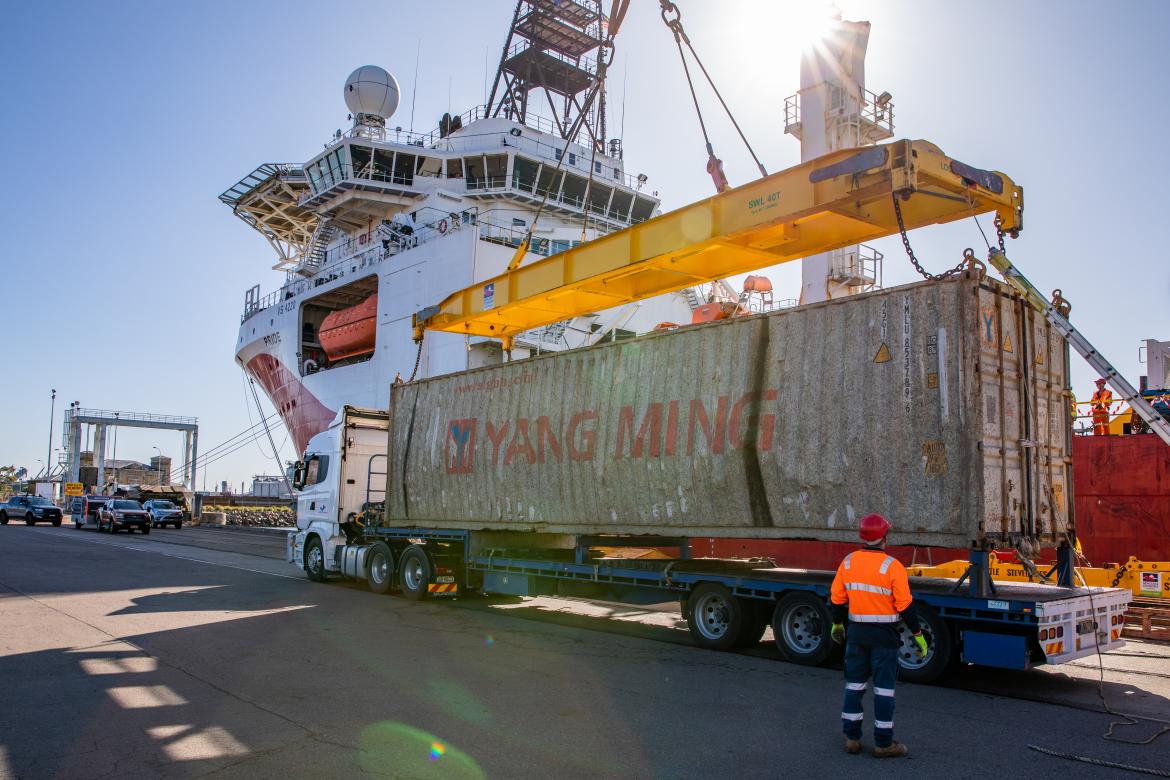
[(862, 661)]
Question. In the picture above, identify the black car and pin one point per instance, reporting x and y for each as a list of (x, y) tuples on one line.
[(119, 513), (31, 509)]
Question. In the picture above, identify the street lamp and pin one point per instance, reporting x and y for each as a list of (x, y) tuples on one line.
[(52, 409)]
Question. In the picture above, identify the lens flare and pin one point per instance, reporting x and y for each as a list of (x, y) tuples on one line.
[(437, 750), (489, 640)]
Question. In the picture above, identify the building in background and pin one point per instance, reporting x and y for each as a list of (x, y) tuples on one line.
[(269, 486)]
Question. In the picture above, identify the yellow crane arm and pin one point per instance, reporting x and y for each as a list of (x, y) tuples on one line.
[(836, 200)]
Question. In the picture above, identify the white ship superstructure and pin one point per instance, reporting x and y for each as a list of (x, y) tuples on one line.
[(384, 222)]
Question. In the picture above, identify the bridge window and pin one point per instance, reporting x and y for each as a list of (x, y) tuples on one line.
[(599, 198), (455, 169), (497, 170), (429, 166), (550, 181), (524, 174), (404, 169), (475, 173), (574, 190), (643, 210), (383, 165), (619, 207), (362, 157)]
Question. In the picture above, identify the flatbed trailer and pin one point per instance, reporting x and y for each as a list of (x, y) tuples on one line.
[(729, 603)]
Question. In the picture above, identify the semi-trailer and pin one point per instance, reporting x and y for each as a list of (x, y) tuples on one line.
[(942, 405)]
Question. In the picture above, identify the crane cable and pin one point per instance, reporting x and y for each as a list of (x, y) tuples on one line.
[(714, 164)]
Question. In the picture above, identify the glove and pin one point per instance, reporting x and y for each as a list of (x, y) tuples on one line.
[(838, 633), (920, 640)]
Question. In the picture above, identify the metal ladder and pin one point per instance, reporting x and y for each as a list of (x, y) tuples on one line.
[(1103, 367)]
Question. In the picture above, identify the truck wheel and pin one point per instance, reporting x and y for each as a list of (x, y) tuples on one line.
[(801, 627), (315, 560), (414, 572), (939, 655), (380, 568), (715, 617)]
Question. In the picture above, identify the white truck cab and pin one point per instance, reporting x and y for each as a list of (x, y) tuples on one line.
[(341, 475)]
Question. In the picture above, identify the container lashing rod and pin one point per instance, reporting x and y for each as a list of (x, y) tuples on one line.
[(1052, 311)]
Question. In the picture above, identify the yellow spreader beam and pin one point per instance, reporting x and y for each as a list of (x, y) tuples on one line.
[(837, 200)]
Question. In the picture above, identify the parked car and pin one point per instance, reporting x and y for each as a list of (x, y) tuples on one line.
[(31, 509), (83, 510), (163, 513), (119, 513)]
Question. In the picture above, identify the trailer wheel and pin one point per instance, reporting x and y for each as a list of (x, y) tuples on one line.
[(800, 626), (380, 568), (939, 655), (715, 617), (414, 569), (315, 560)]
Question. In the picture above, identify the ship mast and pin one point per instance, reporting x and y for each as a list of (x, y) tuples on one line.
[(554, 46)]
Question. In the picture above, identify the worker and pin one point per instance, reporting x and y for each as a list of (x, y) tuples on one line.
[(871, 587), (1101, 402)]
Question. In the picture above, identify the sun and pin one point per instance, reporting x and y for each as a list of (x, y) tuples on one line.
[(801, 23)]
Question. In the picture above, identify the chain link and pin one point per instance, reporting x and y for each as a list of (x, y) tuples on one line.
[(417, 360), (958, 269)]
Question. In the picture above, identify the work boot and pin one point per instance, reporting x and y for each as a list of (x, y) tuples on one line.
[(895, 750), (852, 746)]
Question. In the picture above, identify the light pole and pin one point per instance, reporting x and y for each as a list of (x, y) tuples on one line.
[(52, 409)]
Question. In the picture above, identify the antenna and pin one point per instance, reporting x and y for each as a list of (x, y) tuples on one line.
[(414, 90)]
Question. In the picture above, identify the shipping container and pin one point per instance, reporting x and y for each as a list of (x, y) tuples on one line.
[(943, 405)]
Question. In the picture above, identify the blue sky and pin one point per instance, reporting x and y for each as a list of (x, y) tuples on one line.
[(124, 276)]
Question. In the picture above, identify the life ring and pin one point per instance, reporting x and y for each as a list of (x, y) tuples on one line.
[(442, 226)]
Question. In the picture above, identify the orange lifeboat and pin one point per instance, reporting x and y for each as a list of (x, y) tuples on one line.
[(350, 332)]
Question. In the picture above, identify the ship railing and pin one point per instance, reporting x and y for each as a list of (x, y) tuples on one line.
[(387, 240), (586, 64), (875, 110)]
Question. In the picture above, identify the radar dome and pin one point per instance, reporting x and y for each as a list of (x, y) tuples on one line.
[(371, 90)]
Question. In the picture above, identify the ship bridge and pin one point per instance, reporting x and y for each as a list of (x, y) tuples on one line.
[(269, 200)]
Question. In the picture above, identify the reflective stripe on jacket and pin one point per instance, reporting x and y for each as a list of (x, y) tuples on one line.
[(874, 585)]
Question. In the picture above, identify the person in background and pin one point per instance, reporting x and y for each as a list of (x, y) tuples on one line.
[(1102, 403), (871, 589)]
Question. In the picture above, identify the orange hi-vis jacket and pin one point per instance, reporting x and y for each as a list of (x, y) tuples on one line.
[(874, 585)]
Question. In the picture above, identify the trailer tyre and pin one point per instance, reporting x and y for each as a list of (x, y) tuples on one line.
[(380, 568), (715, 617), (315, 560), (939, 656), (414, 570), (800, 625)]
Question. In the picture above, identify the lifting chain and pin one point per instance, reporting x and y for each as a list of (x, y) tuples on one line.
[(417, 360), (958, 269)]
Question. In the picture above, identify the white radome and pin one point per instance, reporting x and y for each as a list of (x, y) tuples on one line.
[(371, 90)]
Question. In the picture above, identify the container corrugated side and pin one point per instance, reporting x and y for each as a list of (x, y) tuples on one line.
[(938, 404)]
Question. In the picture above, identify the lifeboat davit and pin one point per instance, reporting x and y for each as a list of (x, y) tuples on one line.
[(350, 332)]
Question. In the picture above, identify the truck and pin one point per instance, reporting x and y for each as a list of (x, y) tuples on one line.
[(586, 474)]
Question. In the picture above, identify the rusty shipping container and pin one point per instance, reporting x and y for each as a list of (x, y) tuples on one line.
[(942, 405)]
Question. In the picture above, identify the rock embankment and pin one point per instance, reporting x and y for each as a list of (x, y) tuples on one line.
[(271, 516)]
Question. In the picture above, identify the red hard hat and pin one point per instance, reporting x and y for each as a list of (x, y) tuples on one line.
[(873, 528), (1101, 381)]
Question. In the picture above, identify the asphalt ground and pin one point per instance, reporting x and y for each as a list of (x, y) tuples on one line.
[(201, 653)]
